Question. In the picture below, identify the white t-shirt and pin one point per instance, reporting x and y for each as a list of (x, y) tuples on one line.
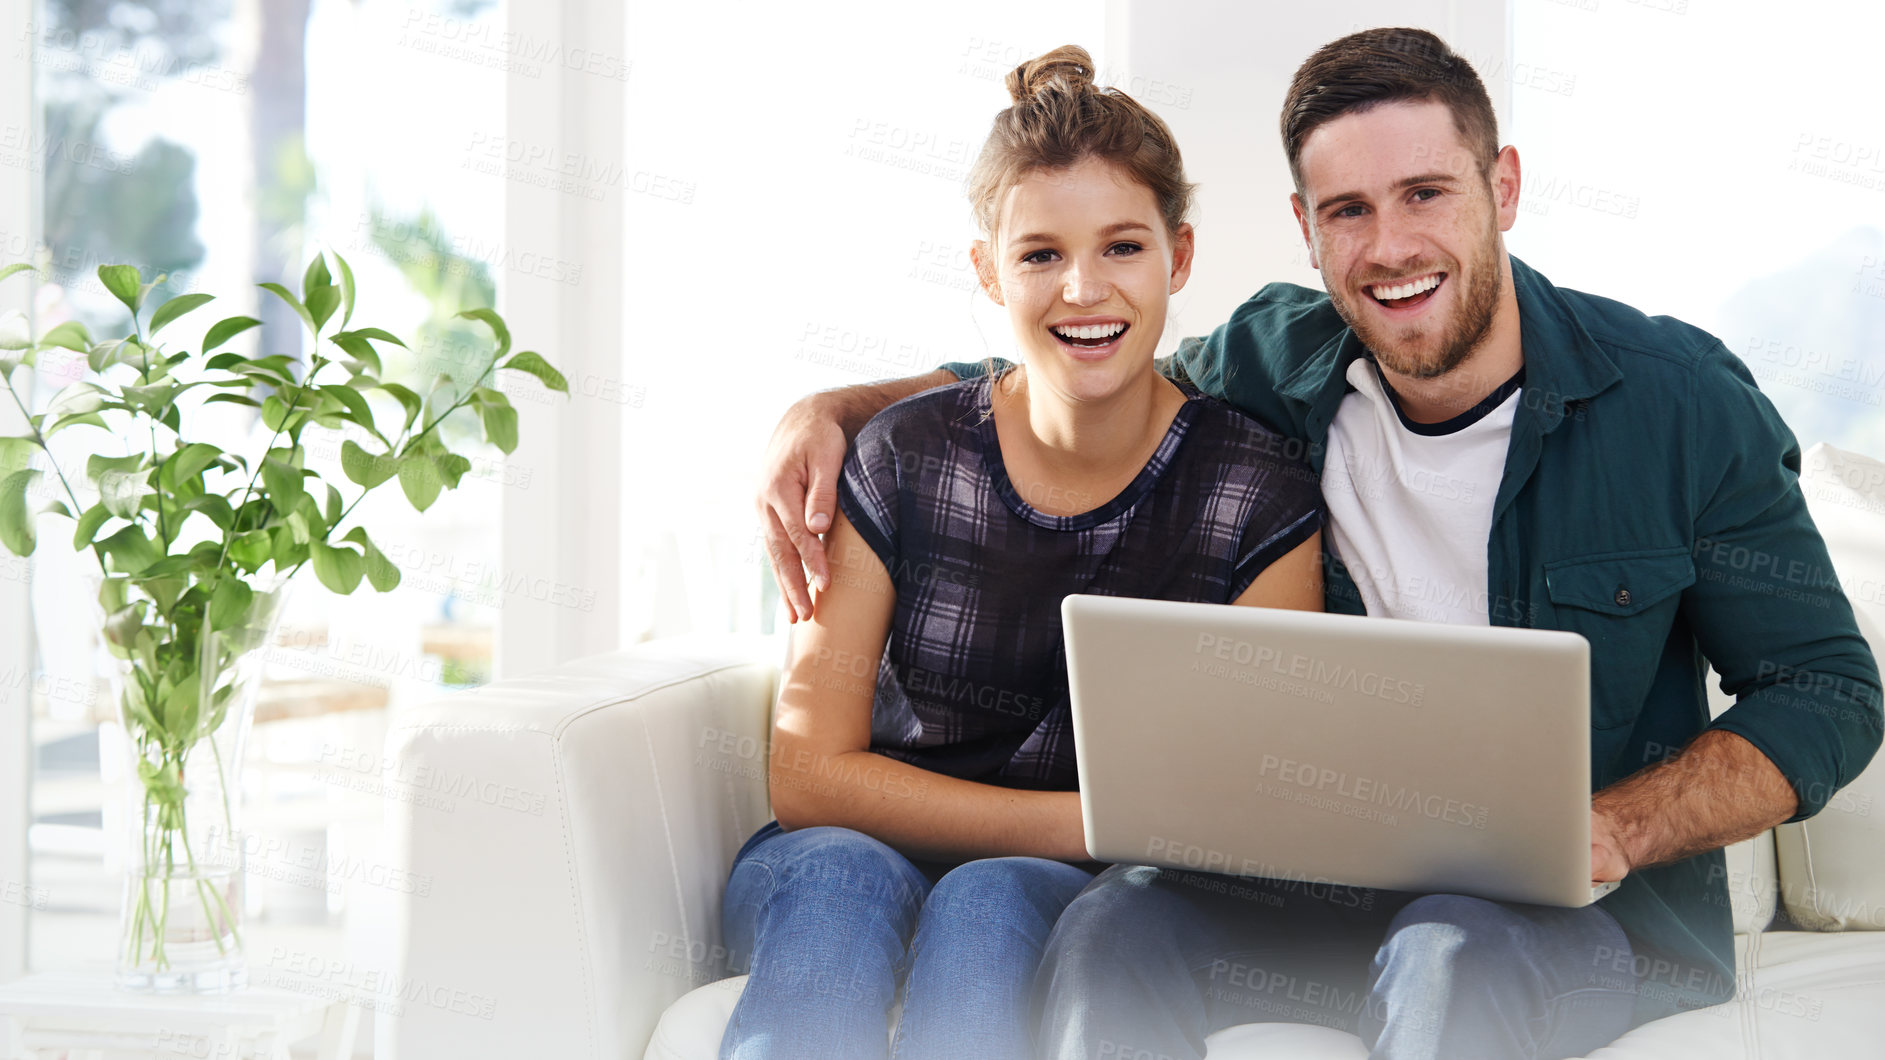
[(1410, 504)]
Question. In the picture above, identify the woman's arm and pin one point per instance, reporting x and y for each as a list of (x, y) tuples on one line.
[(821, 772), (1294, 581)]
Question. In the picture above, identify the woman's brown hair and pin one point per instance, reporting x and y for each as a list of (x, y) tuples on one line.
[(1059, 117)]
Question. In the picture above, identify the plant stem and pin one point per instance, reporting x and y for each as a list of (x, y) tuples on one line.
[(40, 440)]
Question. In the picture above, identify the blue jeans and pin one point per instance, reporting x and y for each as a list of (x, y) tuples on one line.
[(831, 921), (1147, 962)]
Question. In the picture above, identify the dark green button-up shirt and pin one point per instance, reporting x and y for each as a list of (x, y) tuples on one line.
[(1650, 502)]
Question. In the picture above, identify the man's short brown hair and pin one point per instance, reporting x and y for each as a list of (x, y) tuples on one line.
[(1363, 70)]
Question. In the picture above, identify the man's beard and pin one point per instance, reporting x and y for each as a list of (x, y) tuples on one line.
[(1479, 299)]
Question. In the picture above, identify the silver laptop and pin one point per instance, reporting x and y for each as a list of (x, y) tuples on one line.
[(1408, 756)]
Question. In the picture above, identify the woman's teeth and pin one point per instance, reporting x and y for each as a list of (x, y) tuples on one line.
[(1089, 334)]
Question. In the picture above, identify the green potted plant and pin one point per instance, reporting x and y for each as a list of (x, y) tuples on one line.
[(196, 546)]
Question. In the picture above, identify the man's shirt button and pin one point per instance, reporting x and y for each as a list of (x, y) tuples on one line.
[(1623, 597)]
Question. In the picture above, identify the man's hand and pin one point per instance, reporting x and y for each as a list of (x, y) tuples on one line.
[(798, 491), (798, 497), (1607, 860), (1719, 790)]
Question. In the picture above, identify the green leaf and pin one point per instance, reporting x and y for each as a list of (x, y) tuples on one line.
[(233, 399), (151, 398), (364, 468), (123, 621), (139, 712), (420, 479), (160, 582), (274, 412), (413, 402), (181, 710), (175, 308), (357, 408), (453, 467), (130, 549), (533, 363), (379, 335), (122, 281), (316, 277), (98, 463), (358, 348), (144, 290), (338, 568), (295, 456), (74, 400), (89, 523), (16, 518), (500, 425), (123, 492), (322, 301), (15, 334), (86, 419), (288, 553), (490, 317), (331, 513), (309, 510), (298, 526), (346, 289), (284, 484), (18, 266), (15, 455), (381, 572), (70, 335), (251, 550), (293, 303), (106, 354), (213, 505), (187, 462), (229, 604), (224, 330)]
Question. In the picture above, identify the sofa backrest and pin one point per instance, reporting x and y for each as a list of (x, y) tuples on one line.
[(1832, 866)]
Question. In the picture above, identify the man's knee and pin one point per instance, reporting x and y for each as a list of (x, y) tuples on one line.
[(1123, 911), (1449, 927)]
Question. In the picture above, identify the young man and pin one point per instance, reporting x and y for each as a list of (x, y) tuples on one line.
[(1492, 449)]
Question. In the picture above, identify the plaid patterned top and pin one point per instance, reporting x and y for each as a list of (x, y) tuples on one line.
[(973, 682)]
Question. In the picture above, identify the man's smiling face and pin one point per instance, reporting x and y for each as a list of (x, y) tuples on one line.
[(1404, 225)]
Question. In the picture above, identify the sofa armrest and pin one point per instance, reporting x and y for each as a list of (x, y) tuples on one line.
[(569, 834)]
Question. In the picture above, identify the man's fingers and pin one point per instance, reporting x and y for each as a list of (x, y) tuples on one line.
[(820, 505), (785, 564)]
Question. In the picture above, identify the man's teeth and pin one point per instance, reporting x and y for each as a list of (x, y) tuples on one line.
[(1090, 331), (1408, 289)]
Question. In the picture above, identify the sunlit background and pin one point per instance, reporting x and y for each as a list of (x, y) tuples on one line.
[(793, 220)]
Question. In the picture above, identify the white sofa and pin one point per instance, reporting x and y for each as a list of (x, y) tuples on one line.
[(574, 880)]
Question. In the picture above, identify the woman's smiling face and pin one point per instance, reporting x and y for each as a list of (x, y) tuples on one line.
[(1085, 267)]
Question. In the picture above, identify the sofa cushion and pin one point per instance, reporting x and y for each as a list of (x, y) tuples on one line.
[(1832, 866), (1799, 994)]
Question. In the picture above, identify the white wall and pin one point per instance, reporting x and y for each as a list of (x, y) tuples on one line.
[(18, 214), (1216, 71)]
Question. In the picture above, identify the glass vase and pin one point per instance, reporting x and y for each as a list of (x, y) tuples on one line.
[(185, 694)]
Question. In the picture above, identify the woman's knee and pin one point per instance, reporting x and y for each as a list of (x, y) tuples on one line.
[(836, 864)]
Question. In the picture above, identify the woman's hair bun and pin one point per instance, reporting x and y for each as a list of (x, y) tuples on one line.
[(1068, 66)]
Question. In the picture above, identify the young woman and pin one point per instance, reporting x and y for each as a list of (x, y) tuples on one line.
[(922, 762)]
